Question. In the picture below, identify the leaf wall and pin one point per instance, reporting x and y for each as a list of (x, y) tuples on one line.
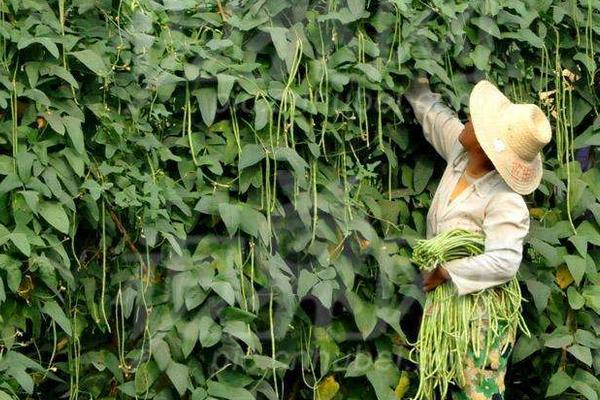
[(217, 199)]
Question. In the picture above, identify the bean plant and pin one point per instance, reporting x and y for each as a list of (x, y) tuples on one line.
[(213, 199)]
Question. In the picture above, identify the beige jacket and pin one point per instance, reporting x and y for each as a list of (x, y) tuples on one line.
[(488, 205)]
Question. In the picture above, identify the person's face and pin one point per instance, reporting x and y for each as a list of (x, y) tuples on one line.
[(467, 137)]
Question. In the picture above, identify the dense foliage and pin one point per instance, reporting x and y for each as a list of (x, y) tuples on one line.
[(217, 199)]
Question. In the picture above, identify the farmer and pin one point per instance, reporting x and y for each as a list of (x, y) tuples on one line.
[(492, 160)]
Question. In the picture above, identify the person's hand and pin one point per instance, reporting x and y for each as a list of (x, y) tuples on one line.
[(433, 279), (417, 86)]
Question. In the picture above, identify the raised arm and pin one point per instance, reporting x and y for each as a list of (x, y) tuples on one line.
[(440, 124), (505, 226)]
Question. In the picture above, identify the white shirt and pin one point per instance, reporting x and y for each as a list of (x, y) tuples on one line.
[(488, 205)]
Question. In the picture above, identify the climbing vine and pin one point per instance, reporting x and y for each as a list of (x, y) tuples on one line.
[(218, 199)]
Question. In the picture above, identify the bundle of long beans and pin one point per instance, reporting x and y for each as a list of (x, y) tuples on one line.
[(450, 245), (452, 325)]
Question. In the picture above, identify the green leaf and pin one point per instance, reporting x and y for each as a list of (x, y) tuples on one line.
[(434, 69), (298, 164), (5, 396), (234, 313), (580, 243), (224, 290), (383, 376), (179, 376), (251, 154), (525, 35), (262, 111), (576, 300), (93, 61), (199, 394), (357, 7), (370, 71), (488, 25), (10, 183), (44, 41), (188, 331), (589, 137), (22, 378), (361, 364), (324, 292), (586, 377), (62, 73), (142, 379), (2, 292), (230, 214), (37, 95), (423, 172), (191, 71), (558, 340), (13, 271), (306, 281), (32, 199), (587, 61), (224, 85), (266, 363), (224, 391), (582, 353), (210, 331), (179, 5), (254, 223), (55, 215), (240, 330), (20, 241), (592, 297), (481, 57), (392, 317), (73, 126), (540, 293), (576, 266), (207, 101), (559, 382), (364, 314), (280, 42), (587, 338), (55, 121), (162, 353), (550, 253), (52, 309), (585, 389)]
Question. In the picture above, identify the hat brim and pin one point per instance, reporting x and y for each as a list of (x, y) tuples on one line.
[(486, 106)]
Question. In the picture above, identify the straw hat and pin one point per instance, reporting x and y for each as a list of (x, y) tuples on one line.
[(511, 135)]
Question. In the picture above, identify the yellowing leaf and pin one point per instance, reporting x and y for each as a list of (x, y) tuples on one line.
[(403, 385), (363, 243), (563, 276), (537, 213), (327, 388)]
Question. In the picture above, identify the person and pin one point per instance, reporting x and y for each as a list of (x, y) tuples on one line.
[(492, 161)]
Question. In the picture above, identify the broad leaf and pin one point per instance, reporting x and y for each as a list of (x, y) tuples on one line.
[(55, 312), (93, 61), (56, 216)]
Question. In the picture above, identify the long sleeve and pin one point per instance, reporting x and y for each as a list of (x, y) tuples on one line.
[(505, 225), (441, 126)]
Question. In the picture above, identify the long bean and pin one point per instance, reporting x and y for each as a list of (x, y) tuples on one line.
[(452, 325)]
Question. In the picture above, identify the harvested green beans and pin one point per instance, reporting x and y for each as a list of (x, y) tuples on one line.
[(452, 324)]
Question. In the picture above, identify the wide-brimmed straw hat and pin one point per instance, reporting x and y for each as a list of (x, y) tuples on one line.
[(511, 135)]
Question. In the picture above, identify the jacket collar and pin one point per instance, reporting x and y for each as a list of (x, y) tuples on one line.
[(485, 183)]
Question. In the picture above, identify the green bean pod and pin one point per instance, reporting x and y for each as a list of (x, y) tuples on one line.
[(453, 325)]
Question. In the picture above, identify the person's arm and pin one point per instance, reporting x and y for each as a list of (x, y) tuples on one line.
[(440, 124), (505, 226)]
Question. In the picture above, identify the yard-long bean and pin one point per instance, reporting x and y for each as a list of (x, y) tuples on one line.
[(453, 325)]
